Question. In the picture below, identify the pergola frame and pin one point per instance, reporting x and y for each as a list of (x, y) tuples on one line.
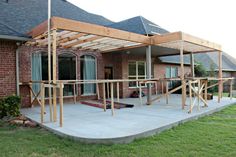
[(67, 33)]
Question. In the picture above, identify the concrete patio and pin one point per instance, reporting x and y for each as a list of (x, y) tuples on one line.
[(93, 125)]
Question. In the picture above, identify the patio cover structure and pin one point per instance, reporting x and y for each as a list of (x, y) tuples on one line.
[(66, 33)]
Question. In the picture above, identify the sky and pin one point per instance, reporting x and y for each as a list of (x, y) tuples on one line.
[(213, 20)]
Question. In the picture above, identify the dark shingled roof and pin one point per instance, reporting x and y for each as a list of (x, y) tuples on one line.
[(139, 25), (211, 59), (206, 59), (17, 17)]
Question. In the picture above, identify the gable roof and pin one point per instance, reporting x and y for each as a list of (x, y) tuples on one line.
[(211, 59), (139, 25), (20, 16)]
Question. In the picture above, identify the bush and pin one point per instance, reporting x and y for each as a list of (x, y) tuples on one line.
[(10, 106)]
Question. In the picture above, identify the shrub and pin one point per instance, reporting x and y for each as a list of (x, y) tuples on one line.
[(10, 106)]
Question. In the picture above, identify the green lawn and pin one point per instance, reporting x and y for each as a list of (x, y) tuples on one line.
[(213, 135)]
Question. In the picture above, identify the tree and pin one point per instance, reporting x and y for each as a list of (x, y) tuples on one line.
[(200, 70)]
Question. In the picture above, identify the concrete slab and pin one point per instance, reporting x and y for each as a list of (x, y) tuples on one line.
[(93, 125)]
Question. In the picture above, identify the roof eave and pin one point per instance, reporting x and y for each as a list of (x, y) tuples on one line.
[(15, 38)]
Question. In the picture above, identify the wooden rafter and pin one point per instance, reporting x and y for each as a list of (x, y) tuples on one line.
[(76, 26)]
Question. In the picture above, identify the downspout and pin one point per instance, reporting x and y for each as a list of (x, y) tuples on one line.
[(17, 70)]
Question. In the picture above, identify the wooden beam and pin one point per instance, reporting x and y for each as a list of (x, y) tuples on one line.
[(82, 41), (182, 74), (61, 104), (199, 41), (165, 38), (70, 38), (39, 30), (104, 96), (112, 99), (54, 69), (76, 26)]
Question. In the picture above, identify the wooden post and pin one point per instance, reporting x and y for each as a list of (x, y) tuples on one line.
[(61, 104), (54, 62), (198, 95), (42, 102), (118, 91), (182, 74), (104, 96), (190, 96), (220, 76), (231, 89), (140, 94), (97, 89), (205, 92), (74, 90), (31, 95), (112, 99), (167, 93)]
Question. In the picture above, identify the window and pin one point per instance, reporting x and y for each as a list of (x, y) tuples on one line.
[(171, 72), (67, 71), (137, 70), (88, 72)]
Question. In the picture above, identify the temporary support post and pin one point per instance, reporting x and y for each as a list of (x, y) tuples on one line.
[(118, 91), (104, 96), (220, 86), (42, 102), (49, 58), (167, 93), (149, 73), (182, 74), (61, 104), (205, 92), (97, 89), (112, 99), (54, 69), (192, 64)]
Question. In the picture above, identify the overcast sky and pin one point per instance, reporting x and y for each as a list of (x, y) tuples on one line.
[(214, 20)]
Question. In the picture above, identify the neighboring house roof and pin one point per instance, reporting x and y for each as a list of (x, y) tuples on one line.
[(139, 25), (175, 59), (20, 16), (211, 60)]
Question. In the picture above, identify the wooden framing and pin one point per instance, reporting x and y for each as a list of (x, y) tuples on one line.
[(71, 34)]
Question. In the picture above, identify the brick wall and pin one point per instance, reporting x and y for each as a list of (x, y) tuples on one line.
[(7, 68), (119, 62)]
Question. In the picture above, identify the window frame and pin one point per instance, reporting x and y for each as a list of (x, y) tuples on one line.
[(137, 76)]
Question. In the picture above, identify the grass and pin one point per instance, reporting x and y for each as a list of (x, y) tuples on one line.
[(224, 94), (213, 135)]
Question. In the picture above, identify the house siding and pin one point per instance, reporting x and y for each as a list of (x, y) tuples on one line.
[(7, 68)]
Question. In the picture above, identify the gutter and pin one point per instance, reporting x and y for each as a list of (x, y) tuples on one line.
[(15, 38), (17, 70)]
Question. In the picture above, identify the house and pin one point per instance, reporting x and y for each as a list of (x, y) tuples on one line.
[(24, 57)]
